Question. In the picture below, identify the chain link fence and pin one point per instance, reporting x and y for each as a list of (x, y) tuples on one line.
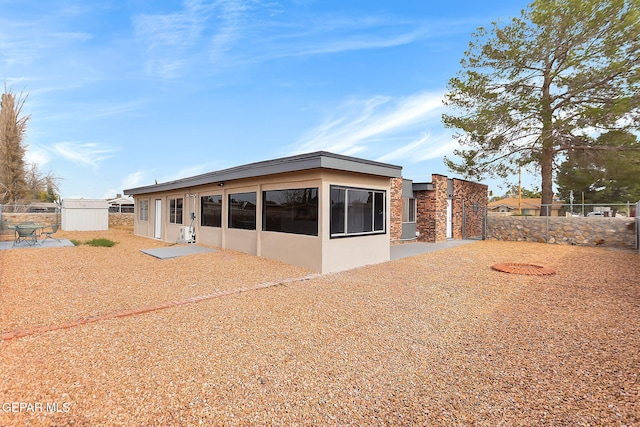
[(42, 213), (613, 224)]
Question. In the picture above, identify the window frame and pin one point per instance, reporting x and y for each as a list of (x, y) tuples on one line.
[(345, 212), (175, 210), (266, 207), (143, 208), (411, 210), (215, 207), (230, 207)]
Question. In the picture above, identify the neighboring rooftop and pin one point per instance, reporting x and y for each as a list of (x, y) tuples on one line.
[(527, 203), (315, 160)]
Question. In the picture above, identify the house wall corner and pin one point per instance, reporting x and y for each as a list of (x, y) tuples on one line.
[(469, 207), (395, 209)]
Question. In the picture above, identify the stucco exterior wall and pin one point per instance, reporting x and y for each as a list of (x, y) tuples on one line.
[(343, 253), (320, 253), (296, 249)]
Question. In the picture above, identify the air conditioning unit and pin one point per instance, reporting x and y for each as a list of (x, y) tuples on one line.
[(187, 235)]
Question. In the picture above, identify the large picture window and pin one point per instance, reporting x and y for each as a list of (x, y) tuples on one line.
[(291, 211), (242, 211), (175, 211), (143, 207), (356, 211), (211, 211)]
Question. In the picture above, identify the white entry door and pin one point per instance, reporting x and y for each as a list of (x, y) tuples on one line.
[(449, 219), (157, 229)]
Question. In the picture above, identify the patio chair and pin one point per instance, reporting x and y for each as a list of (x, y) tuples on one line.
[(48, 233), (26, 234)]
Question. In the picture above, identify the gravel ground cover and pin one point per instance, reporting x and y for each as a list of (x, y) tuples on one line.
[(438, 339)]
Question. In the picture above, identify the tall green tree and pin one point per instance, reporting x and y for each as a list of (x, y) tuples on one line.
[(609, 172), (525, 192), (13, 125), (529, 90)]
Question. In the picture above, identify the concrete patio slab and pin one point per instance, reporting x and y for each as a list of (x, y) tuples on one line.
[(176, 251), (45, 243), (410, 249)]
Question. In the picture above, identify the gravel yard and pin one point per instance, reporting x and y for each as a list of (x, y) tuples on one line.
[(438, 339)]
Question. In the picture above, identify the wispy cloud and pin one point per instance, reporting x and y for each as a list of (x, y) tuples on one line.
[(50, 48), (233, 23), (86, 111), (135, 179), (37, 155), (379, 124), (330, 35), (173, 40), (87, 154), (24, 42), (427, 147), (226, 33)]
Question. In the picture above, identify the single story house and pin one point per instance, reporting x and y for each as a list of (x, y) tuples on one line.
[(524, 206), (324, 211), (121, 204), (445, 208)]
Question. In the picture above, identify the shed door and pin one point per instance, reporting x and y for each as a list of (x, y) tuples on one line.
[(449, 218), (157, 229)]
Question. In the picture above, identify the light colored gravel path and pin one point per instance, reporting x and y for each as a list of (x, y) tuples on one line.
[(438, 339)]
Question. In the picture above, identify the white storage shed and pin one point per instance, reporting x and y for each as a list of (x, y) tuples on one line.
[(85, 214)]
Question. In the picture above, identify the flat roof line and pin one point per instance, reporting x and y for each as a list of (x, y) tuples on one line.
[(299, 162)]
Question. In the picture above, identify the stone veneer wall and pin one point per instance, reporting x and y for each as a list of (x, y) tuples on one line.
[(431, 218), (425, 222), (395, 231), (440, 197), (121, 219), (115, 219), (592, 231), (468, 209), (47, 218)]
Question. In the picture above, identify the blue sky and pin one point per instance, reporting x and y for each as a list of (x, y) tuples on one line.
[(126, 92)]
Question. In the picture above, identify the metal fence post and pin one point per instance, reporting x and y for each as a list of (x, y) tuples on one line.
[(485, 220), (547, 223), (637, 221)]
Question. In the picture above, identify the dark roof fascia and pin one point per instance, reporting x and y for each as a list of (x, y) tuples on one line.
[(422, 186), (319, 159)]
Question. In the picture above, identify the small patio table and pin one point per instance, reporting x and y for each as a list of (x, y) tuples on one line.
[(27, 232)]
